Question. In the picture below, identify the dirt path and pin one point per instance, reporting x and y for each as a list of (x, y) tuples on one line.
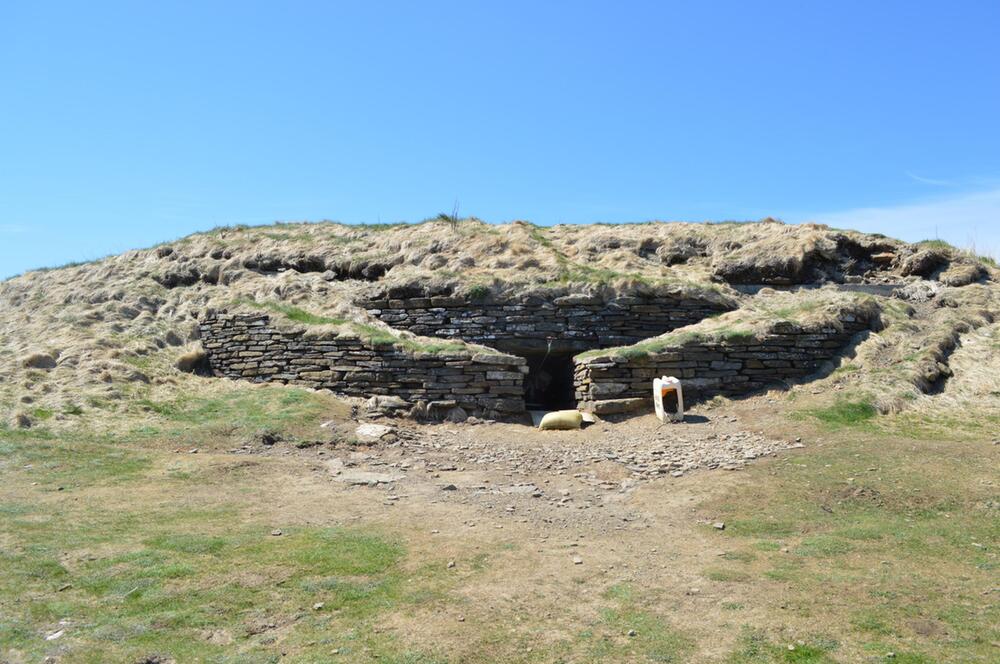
[(562, 517)]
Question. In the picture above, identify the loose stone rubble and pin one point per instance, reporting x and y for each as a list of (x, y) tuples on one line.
[(557, 478)]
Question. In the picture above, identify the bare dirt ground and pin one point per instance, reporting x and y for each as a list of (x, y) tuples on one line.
[(573, 512), (553, 479)]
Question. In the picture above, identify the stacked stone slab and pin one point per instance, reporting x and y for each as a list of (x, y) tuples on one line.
[(621, 381), (572, 322), (249, 347)]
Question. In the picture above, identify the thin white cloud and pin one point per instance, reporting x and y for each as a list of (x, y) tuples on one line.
[(930, 181), (13, 229), (970, 220)]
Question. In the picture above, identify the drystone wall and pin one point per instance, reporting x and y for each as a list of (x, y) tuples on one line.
[(617, 383), (571, 323), (248, 347)]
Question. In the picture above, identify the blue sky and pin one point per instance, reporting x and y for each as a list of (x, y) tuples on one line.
[(125, 124)]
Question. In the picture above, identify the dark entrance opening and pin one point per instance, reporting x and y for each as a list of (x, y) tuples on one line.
[(549, 383)]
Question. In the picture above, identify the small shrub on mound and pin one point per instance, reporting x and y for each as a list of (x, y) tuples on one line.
[(194, 360), (478, 292), (39, 361)]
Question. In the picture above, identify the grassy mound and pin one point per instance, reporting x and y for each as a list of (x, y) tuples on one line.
[(758, 318)]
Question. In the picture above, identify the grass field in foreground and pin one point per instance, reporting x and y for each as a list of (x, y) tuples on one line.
[(869, 547)]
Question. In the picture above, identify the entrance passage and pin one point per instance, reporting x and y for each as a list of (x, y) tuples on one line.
[(549, 383)]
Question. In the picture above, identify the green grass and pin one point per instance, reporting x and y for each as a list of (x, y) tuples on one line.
[(988, 261), (741, 556), (477, 292), (375, 336), (761, 526), (863, 537), (823, 546), (846, 412), (230, 417), (937, 244), (643, 349), (653, 639), (967, 425), (370, 334), (141, 362), (847, 368), (160, 571), (96, 461), (790, 313), (740, 326), (292, 313), (42, 414), (622, 592), (159, 595), (735, 337), (870, 621), (756, 648), (724, 575), (729, 335)]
